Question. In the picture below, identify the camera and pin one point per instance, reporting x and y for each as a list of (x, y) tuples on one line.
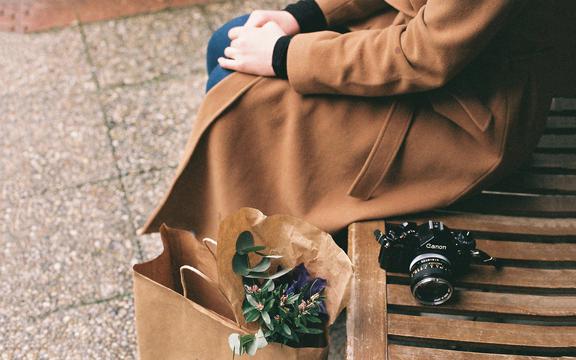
[(432, 254)]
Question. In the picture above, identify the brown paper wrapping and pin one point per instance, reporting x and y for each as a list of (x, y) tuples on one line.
[(298, 242)]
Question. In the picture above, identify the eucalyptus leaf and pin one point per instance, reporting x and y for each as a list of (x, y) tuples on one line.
[(255, 249), (269, 256), (263, 265), (234, 342), (265, 276), (313, 331), (240, 264), (244, 241)]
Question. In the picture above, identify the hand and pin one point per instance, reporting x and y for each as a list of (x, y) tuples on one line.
[(251, 49), (284, 19)]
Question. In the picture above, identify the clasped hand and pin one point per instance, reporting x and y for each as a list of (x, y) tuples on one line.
[(252, 45)]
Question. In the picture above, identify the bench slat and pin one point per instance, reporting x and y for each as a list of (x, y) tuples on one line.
[(558, 161), (482, 332), (528, 250), (563, 307), (557, 141), (530, 182), (519, 204), (400, 352), (559, 280), (561, 122), (366, 320), (497, 223), (563, 104)]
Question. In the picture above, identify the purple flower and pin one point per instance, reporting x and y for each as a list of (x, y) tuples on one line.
[(300, 278), (317, 286)]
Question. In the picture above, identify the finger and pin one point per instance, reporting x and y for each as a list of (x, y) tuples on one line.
[(234, 33), (256, 19), (230, 64), (235, 43), (230, 52)]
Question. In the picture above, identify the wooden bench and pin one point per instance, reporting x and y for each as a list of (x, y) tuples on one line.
[(525, 310)]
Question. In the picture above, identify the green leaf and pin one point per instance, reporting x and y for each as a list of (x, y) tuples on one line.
[(246, 339), (252, 300), (313, 331), (255, 249), (264, 275), (286, 330), (267, 320), (268, 286), (261, 339), (268, 255), (269, 304), (252, 347), (234, 343), (266, 317), (292, 299), (314, 319), (263, 265), (252, 315), (244, 241), (240, 264)]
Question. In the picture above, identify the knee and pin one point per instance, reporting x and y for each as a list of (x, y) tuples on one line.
[(219, 39)]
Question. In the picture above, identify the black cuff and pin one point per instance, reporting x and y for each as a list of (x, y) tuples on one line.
[(280, 57), (308, 15)]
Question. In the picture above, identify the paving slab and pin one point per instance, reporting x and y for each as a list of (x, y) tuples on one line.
[(150, 123), (64, 248), (52, 61), (145, 47), (99, 331), (144, 191), (52, 140)]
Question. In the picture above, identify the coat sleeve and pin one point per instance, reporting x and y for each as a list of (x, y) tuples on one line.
[(422, 54), (338, 12)]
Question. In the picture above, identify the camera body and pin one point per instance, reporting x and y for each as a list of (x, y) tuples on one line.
[(431, 253)]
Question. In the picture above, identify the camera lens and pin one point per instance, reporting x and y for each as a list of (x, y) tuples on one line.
[(430, 279)]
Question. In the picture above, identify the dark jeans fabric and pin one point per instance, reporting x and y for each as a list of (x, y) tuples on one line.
[(218, 42)]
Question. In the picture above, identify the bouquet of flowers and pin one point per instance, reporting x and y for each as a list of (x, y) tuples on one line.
[(288, 306), (286, 282)]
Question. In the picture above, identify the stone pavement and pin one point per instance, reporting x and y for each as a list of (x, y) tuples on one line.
[(92, 121)]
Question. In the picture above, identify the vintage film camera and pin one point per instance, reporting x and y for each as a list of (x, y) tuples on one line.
[(432, 254)]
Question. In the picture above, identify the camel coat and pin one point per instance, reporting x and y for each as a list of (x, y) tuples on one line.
[(423, 103)]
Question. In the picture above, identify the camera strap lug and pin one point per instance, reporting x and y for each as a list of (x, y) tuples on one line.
[(482, 257)]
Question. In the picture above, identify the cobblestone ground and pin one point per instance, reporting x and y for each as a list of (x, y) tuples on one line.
[(92, 122)]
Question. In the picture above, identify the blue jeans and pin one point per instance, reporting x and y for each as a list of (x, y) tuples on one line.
[(216, 45)]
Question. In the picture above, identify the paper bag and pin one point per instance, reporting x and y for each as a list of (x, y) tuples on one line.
[(171, 326)]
